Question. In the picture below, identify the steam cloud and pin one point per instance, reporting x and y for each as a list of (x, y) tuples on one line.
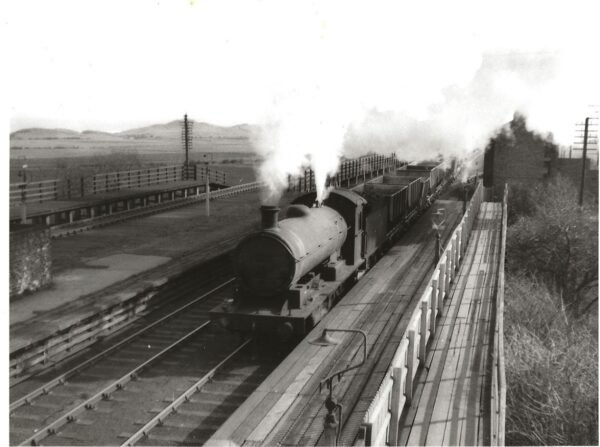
[(393, 90)]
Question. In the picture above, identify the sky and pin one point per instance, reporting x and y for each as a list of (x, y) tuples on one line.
[(113, 65), (323, 79)]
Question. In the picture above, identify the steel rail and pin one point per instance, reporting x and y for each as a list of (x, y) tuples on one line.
[(184, 397), (105, 393), (60, 380)]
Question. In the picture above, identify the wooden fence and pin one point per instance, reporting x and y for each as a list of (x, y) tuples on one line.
[(348, 170), (116, 181), (36, 192), (498, 385), (198, 172), (33, 192), (396, 391)]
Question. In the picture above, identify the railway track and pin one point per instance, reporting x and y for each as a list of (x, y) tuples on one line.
[(194, 416), (91, 333), (147, 365)]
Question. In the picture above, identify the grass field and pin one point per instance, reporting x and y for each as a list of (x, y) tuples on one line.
[(72, 163), (63, 154)]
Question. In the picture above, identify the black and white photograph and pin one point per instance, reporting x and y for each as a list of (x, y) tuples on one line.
[(301, 223)]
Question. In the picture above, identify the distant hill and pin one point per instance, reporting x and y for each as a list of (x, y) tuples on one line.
[(37, 133), (95, 134), (168, 131), (200, 130)]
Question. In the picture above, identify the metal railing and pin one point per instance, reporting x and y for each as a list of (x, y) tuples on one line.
[(233, 190)]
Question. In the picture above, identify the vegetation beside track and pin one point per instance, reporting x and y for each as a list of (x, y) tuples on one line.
[(551, 316)]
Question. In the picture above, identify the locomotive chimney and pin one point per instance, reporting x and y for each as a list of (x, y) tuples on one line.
[(270, 216)]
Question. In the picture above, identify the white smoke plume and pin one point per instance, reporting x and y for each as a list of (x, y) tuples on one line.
[(304, 131), (425, 79)]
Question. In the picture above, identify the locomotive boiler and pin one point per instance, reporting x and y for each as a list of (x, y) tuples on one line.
[(271, 261)]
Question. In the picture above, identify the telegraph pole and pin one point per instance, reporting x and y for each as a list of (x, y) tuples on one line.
[(590, 144), (584, 159), (186, 137)]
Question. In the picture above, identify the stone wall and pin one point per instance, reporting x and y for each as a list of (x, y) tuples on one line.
[(30, 258)]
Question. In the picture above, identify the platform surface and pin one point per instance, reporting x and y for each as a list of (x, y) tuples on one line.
[(103, 266), (53, 206), (449, 403), (288, 407)]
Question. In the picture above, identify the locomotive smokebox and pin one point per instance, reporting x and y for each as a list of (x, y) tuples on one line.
[(273, 259), (269, 216)]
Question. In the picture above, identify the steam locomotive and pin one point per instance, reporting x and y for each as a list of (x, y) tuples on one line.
[(294, 270)]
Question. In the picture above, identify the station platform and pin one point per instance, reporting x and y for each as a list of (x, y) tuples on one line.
[(450, 402), (108, 266), (60, 211)]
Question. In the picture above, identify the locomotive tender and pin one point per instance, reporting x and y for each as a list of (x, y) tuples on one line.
[(294, 270)]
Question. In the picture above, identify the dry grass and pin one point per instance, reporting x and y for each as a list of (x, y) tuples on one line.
[(551, 370)]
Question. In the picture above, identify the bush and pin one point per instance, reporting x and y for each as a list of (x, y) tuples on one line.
[(551, 343), (558, 243), (521, 203), (551, 370)]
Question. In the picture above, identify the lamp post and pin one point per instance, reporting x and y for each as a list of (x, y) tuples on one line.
[(186, 143), (332, 424), (207, 194), (207, 183), (465, 198), (437, 223), (23, 186)]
